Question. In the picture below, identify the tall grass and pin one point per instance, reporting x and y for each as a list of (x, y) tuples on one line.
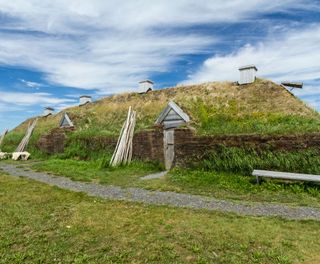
[(244, 160), (231, 119)]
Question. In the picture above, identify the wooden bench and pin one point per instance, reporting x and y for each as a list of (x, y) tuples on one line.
[(285, 176)]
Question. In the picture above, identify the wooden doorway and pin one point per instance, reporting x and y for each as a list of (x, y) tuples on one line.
[(168, 141)]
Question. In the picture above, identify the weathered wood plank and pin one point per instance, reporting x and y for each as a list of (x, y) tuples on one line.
[(286, 175), (293, 84), (25, 141), (168, 140), (173, 124), (2, 136), (123, 151)]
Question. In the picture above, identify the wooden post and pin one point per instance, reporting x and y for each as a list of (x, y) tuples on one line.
[(258, 179)]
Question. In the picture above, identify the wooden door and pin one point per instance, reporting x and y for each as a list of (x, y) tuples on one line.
[(168, 140)]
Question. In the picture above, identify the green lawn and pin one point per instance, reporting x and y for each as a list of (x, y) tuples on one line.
[(93, 170), (220, 185), (43, 224)]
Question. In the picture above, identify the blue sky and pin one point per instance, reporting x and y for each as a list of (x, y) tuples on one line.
[(51, 52)]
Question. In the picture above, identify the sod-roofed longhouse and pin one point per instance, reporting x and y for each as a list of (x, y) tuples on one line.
[(216, 108), (219, 112)]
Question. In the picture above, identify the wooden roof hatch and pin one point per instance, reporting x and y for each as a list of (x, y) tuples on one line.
[(47, 111), (145, 86), (172, 116), (247, 74), (66, 121), (85, 99)]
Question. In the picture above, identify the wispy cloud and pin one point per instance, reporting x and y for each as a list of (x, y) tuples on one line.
[(5, 107), (110, 63), (26, 105), (77, 17), (31, 99), (294, 56), (110, 46), (30, 84)]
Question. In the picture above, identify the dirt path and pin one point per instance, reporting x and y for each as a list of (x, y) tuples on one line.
[(167, 198)]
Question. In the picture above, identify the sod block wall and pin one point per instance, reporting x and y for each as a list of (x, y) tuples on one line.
[(189, 146), (53, 142), (148, 145)]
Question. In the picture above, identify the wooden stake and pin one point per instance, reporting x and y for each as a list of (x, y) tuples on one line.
[(123, 151)]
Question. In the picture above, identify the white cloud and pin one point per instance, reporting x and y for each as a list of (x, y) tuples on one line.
[(78, 16), (17, 106), (293, 56), (30, 84), (4, 107), (308, 90), (109, 63), (108, 45), (29, 99)]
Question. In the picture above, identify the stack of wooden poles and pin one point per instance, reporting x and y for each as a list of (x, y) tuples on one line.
[(123, 152), (2, 137), (25, 141)]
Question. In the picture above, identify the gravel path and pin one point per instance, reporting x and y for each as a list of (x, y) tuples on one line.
[(167, 198)]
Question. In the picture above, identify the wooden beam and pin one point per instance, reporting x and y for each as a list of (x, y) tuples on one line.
[(293, 84)]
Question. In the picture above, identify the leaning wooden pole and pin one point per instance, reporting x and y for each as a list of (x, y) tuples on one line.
[(130, 139), (123, 150), (2, 136), (115, 153), (25, 141)]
